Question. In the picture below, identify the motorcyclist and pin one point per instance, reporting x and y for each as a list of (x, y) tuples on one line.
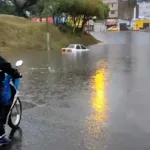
[(5, 67)]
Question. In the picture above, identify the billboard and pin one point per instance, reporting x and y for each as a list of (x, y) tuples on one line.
[(110, 22), (50, 20)]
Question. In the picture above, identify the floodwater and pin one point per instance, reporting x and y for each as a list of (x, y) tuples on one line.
[(92, 100)]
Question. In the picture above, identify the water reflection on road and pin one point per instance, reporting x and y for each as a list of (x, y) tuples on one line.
[(99, 100), (96, 133)]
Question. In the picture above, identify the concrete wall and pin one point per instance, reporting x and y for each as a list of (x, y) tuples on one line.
[(125, 11), (99, 27)]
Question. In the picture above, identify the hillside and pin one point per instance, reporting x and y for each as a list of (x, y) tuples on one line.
[(22, 34)]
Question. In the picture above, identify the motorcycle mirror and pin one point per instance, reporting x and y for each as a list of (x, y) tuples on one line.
[(19, 63)]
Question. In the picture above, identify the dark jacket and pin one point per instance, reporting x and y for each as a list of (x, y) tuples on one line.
[(5, 67)]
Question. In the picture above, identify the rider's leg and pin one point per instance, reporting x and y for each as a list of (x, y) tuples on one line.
[(2, 115), (3, 139), (7, 109)]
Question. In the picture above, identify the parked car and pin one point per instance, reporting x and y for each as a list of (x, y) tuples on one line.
[(113, 28), (74, 47)]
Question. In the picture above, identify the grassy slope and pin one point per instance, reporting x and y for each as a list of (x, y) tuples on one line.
[(19, 33)]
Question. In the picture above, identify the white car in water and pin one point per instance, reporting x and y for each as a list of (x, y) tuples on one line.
[(74, 48)]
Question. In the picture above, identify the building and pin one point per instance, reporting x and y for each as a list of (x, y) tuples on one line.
[(113, 6), (120, 9), (121, 12), (144, 9)]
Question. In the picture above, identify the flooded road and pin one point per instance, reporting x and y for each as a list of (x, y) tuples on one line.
[(95, 100)]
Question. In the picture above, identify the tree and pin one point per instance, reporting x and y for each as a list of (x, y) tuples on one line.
[(7, 9), (37, 9), (77, 10), (105, 9), (22, 5), (88, 9)]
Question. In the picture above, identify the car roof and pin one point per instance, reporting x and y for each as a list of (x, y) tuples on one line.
[(77, 44)]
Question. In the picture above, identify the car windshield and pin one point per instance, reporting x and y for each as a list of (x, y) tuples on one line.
[(71, 46)]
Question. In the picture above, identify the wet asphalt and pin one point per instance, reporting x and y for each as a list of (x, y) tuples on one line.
[(94, 100)]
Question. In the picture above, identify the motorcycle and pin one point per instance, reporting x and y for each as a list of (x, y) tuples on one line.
[(14, 109)]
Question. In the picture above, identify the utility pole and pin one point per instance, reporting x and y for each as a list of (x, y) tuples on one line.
[(47, 27), (47, 34)]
